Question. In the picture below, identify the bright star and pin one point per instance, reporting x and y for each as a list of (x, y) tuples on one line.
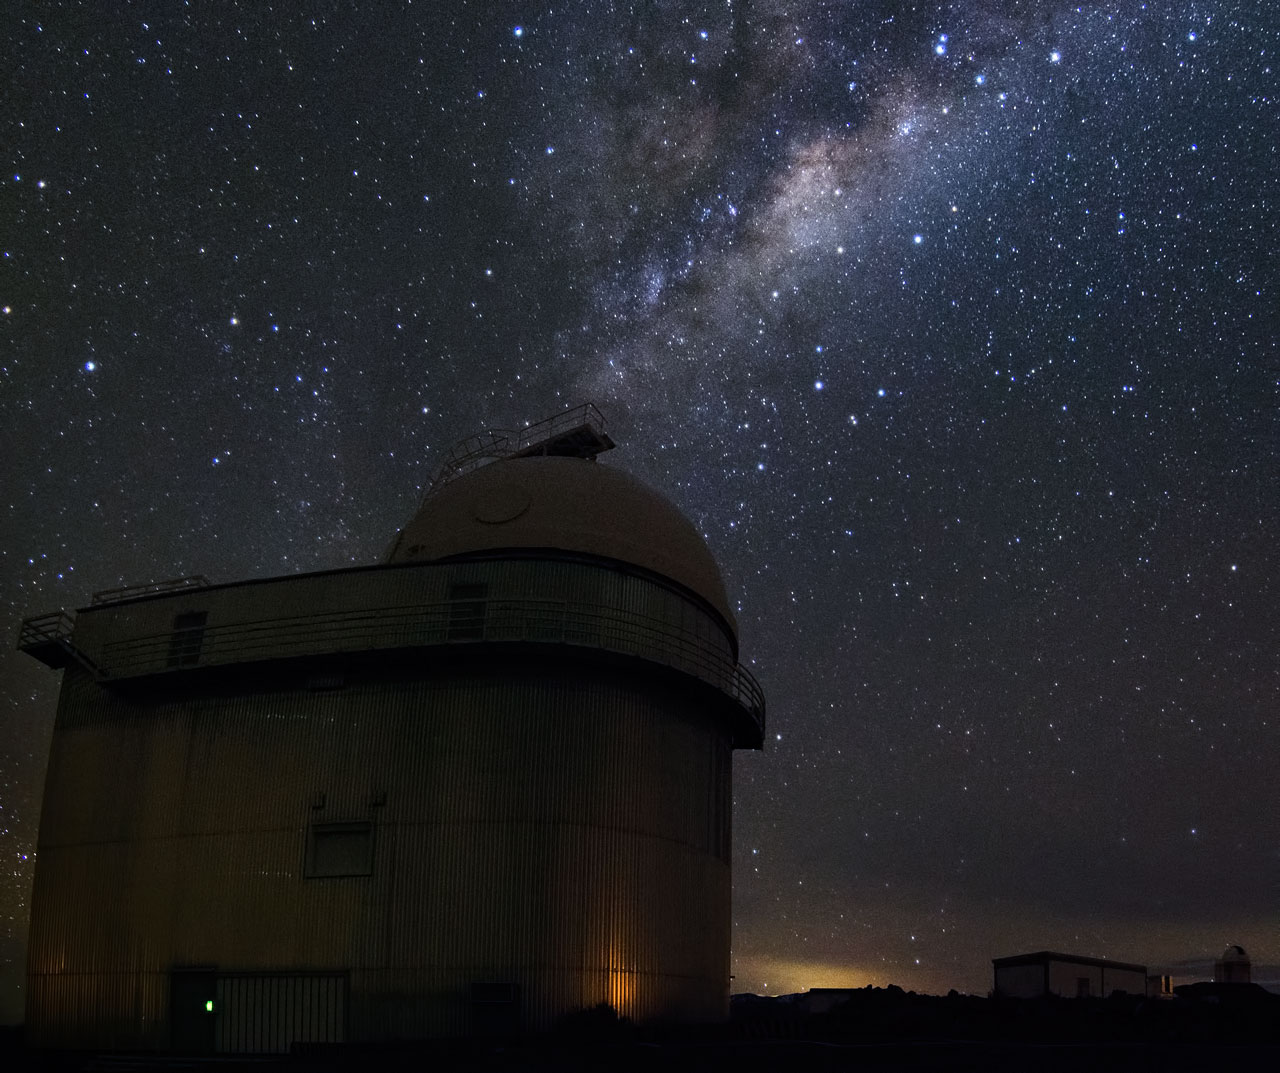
[(917, 239), (1055, 56), (89, 366), (518, 31)]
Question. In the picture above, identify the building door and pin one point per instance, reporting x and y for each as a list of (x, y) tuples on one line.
[(192, 1010), (267, 1013)]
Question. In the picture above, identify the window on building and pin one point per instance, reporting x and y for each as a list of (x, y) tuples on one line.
[(467, 612), (494, 993), (340, 849), (187, 639), (1083, 989)]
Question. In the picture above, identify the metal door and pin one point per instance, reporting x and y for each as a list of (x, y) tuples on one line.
[(267, 1013)]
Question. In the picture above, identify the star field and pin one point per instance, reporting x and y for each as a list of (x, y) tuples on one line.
[(952, 326)]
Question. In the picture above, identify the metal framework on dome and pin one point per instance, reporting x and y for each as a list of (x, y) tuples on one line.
[(576, 433)]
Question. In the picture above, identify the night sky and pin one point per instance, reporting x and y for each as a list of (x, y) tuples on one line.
[(952, 326)]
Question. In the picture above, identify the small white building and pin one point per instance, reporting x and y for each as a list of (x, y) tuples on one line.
[(1065, 975)]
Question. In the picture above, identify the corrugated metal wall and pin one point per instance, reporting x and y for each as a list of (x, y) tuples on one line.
[(555, 825)]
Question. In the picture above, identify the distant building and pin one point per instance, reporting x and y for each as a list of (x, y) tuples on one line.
[(473, 788), (1233, 967), (822, 999), (1065, 975)]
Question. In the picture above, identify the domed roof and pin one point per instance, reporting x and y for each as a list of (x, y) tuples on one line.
[(569, 504), (1234, 953)]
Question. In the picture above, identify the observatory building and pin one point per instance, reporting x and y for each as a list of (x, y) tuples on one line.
[(1233, 967), (473, 788)]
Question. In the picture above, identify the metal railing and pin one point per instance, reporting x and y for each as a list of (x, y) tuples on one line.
[(477, 450), (460, 621), (586, 415), (49, 629), (151, 588), (48, 638)]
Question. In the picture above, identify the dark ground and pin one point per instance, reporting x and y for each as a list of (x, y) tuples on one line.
[(875, 1029)]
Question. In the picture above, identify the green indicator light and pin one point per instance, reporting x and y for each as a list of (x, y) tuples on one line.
[(208, 1006)]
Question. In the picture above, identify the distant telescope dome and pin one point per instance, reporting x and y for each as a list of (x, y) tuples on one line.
[(567, 504), (1233, 967)]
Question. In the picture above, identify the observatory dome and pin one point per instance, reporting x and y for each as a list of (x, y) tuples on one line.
[(568, 504), (1233, 967)]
